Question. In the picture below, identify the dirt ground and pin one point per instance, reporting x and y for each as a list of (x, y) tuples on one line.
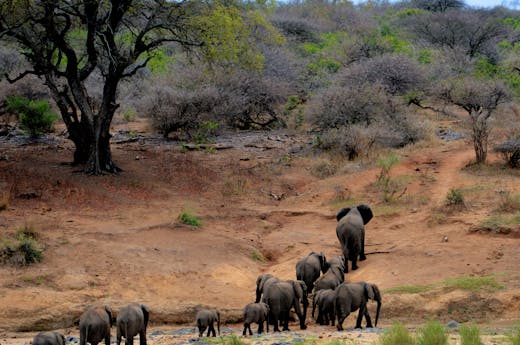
[(117, 239)]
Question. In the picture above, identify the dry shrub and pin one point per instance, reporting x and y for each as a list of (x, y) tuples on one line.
[(323, 169)]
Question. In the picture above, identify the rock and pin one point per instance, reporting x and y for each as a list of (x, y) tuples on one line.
[(453, 324)]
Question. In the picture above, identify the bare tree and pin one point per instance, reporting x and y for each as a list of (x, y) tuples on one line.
[(480, 99), (438, 5), (66, 41), (476, 32)]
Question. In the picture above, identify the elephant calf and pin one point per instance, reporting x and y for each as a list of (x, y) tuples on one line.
[(205, 318), (131, 321), (324, 299), (94, 325), (257, 313), (49, 338)]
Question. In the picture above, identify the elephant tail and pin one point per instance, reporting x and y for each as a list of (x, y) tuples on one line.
[(86, 334), (377, 312)]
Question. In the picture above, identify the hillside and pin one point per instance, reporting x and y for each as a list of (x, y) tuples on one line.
[(117, 239)]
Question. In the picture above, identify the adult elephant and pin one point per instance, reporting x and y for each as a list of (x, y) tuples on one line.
[(94, 325), (333, 277), (353, 296), (308, 270), (262, 282), (351, 233), (131, 321), (281, 296)]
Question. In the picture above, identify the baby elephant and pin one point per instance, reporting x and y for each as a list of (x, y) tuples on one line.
[(258, 313), (49, 338), (205, 319), (94, 325), (131, 321)]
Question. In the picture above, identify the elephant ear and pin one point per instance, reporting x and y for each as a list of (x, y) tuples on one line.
[(109, 312), (366, 213), (342, 213), (372, 292), (323, 262), (146, 314)]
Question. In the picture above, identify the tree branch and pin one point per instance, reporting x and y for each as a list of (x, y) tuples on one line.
[(21, 76)]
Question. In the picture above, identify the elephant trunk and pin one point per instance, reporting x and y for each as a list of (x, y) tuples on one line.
[(377, 312), (218, 323)]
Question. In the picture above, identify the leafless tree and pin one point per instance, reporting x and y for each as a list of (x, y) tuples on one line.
[(480, 99), (438, 5)]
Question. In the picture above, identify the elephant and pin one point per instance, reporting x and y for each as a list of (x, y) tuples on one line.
[(205, 319), (258, 313), (324, 299), (262, 282), (333, 277), (280, 296), (353, 296), (132, 320), (94, 325), (351, 233), (49, 338), (308, 269)]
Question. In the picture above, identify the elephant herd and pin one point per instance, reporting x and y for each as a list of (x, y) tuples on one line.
[(95, 324), (275, 298), (333, 297)]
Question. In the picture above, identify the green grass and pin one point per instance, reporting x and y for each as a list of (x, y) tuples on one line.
[(257, 256), (498, 222), (474, 284), (411, 289), (514, 338), (185, 217), (396, 335), (225, 340), (465, 283), (433, 333), (469, 334)]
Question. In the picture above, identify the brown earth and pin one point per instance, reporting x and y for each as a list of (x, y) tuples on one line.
[(116, 239)]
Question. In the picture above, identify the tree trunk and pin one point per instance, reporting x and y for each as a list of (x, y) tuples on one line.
[(81, 135), (480, 136), (100, 155)]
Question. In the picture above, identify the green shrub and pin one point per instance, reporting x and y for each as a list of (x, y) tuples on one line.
[(36, 117), (433, 333), (396, 335), (23, 252), (474, 284), (205, 131), (469, 334), (454, 197), (189, 219), (129, 114)]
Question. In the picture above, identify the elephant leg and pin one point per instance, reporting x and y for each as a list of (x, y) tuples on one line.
[(275, 321), (107, 339), (213, 330), (82, 336), (130, 340), (359, 318), (260, 327), (209, 331), (245, 328), (285, 320), (368, 319), (362, 256), (332, 318), (142, 337), (354, 264), (319, 320)]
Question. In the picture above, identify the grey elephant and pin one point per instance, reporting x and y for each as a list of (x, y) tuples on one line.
[(94, 325), (353, 296), (308, 269), (333, 277), (257, 313), (131, 321), (206, 318), (49, 338), (351, 233), (281, 296), (262, 282), (324, 299)]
